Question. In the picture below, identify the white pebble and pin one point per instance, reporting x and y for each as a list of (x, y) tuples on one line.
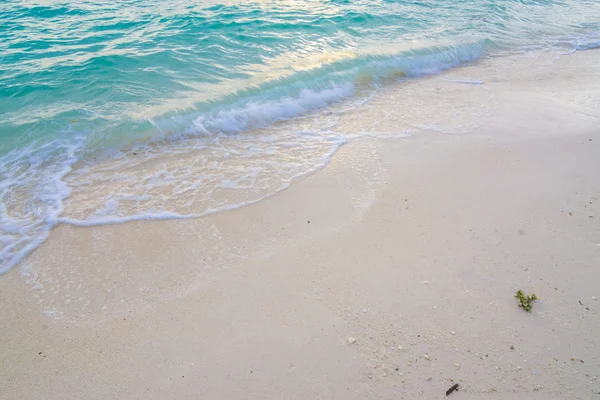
[(400, 348), (594, 298), (457, 365), (426, 356), (454, 333), (351, 340)]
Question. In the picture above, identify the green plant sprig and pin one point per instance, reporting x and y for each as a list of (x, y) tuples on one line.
[(525, 302)]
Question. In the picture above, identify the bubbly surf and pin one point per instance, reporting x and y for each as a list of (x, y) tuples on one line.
[(121, 111)]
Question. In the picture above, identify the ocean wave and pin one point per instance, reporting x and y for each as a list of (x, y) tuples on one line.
[(307, 90), (232, 164), (256, 114)]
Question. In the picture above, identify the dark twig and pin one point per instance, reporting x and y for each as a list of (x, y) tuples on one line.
[(452, 389)]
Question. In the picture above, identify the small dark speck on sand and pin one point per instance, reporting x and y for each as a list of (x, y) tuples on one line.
[(309, 222), (452, 389), (512, 347), (397, 369), (40, 353)]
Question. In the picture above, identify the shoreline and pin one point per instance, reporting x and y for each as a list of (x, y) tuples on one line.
[(417, 242), (125, 189)]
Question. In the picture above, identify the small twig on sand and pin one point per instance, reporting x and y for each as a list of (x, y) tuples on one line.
[(452, 389)]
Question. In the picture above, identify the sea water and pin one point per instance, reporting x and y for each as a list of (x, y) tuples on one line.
[(113, 111)]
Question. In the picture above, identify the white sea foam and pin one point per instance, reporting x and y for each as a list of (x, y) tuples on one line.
[(258, 114), (32, 191), (465, 81), (588, 44), (192, 179), (99, 220)]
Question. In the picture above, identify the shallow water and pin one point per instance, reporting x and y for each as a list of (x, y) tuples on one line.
[(144, 109)]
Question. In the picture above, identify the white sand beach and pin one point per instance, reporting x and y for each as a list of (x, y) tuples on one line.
[(389, 274)]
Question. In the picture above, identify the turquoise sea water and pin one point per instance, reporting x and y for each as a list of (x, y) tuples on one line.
[(86, 85)]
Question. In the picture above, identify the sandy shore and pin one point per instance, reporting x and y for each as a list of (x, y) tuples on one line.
[(389, 274)]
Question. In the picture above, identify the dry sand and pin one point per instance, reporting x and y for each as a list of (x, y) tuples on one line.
[(390, 274)]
